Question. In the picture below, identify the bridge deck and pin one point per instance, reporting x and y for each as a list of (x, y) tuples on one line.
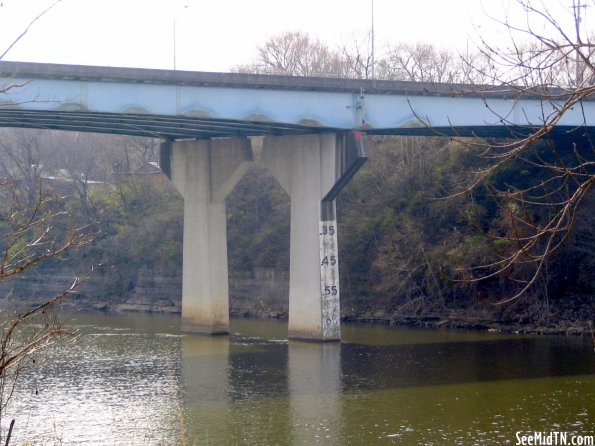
[(177, 104)]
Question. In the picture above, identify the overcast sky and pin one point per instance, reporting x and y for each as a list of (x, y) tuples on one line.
[(214, 35)]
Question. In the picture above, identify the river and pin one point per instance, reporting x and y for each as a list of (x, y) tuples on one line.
[(134, 379)]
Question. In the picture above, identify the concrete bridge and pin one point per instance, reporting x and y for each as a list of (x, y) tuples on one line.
[(313, 144)]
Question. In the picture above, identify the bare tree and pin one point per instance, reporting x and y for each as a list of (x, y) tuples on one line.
[(41, 160), (358, 57), (21, 161), (421, 62), (551, 60), (546, 48), (29, 234), (297, 54), (426, 62), (79, 162), (27, 28)]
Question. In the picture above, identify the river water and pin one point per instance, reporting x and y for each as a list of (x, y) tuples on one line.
[(136, 380)]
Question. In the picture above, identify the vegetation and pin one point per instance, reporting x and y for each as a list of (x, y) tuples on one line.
[(408, 248), (428, 225), (33, 229), (109, 186), (527, 196)]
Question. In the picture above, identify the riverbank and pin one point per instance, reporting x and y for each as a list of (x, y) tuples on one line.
[(464, 319), (569, 321), (565, 321), (263, 294), (569, 315)]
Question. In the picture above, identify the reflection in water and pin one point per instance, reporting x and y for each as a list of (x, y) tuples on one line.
[(134, 379), (205, 360), (314, 374), (114, 385)]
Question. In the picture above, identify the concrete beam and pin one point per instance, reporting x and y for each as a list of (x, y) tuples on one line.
[(182, 105), (312, 169), (205, 172)]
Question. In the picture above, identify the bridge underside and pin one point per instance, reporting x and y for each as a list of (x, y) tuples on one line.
[(152, 126), (183, 127)]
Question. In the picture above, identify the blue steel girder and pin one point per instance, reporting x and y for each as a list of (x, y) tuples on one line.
[(177, 104)]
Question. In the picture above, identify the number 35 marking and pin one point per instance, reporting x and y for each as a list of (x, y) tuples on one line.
[(328, 230)]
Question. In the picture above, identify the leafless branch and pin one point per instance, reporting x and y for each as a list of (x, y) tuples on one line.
[(26, 30)]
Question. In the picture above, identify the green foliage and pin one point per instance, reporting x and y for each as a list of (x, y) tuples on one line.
[(141, 225), (258, 223), (410, 235), (137, 224), (409, 230)]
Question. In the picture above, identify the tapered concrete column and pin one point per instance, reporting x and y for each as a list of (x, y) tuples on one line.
[(312, 169), (205, 172)]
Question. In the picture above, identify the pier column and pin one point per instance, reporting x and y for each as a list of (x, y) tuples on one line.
[(205, 172), (312, 169)]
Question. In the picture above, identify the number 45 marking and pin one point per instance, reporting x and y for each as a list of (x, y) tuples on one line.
[(332, 260)]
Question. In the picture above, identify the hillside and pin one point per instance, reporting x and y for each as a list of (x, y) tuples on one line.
[(409, 242)]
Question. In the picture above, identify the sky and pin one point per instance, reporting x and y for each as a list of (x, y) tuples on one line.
[(215, 35)]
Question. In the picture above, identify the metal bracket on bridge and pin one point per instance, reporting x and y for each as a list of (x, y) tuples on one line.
[(351, 154), (165, 150)]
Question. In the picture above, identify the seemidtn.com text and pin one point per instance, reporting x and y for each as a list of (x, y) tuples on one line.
[(554, 439)]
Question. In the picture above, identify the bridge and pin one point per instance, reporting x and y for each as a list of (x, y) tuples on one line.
[(313, 144)]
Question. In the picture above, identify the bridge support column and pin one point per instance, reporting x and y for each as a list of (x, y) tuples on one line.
[(312, 169), (205, 172)]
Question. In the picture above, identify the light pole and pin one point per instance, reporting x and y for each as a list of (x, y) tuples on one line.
[(184, 7), (576, 6), (372, 39)]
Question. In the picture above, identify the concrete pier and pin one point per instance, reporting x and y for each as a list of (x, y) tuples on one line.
[(205, 172), (312, 169)]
